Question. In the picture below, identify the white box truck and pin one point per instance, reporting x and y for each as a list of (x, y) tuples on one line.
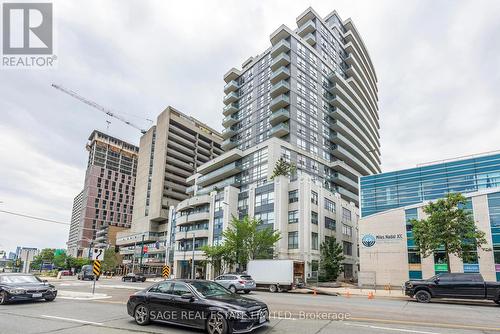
[(277, 275)]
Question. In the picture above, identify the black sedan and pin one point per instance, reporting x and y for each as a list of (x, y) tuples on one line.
[(16, 287), (198, 304), (134, 277)]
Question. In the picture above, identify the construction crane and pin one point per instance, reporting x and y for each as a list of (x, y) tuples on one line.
[(98, 107)]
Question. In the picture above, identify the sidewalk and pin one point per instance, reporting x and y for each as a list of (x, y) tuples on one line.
[(353, 291)]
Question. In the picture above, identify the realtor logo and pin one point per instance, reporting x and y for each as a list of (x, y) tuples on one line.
[(27, 28)]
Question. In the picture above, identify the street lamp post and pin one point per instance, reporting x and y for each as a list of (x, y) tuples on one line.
[(192, 261)]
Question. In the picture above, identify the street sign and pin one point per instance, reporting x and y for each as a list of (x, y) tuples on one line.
[(96, 270), (97, 254), (166, 271)]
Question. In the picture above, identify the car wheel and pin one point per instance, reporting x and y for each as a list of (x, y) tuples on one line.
[(141, 315), (134, 280), (423, 296), (217, 324), (232, 288), (247, 292), (123, 279), (273, 288), (50, 299), (497, 301), (3, 298)]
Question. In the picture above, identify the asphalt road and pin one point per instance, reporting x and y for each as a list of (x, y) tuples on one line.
[(77, 311)]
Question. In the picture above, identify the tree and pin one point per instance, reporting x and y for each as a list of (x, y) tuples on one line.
[(60, 261), (219, 257), (245, 239), (331, 259), (46, 255), (283, 167), (448, 225), (110, 261)]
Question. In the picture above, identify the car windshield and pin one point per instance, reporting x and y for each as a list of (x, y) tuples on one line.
[(210, 289), (19, 279)]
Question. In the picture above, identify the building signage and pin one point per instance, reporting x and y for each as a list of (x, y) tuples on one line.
[(441, 267), (369, 240), (471, 268)]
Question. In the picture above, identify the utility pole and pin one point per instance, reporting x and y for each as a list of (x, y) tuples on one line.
[(142, 253), (133, 257), (192, 261)]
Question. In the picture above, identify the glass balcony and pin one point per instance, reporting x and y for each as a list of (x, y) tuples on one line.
[(229, 144), (230, 109), (279, 116), (230, 98), (307, 28), (281, 60), (231, 86), (282, 46), (220, 174), (279, 102), (280, 130), (280, 87), (281, 73), (228, 132), (310, 38), (229, 121)]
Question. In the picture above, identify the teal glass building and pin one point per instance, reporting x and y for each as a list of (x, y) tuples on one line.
[(385, 191)]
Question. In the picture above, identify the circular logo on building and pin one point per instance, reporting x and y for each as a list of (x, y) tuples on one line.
[(368, 240)]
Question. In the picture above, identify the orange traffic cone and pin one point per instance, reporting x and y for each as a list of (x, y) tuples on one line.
[(314, 292), (348, 294), (371, 295)]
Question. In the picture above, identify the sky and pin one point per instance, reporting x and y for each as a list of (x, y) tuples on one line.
[(437, 65)]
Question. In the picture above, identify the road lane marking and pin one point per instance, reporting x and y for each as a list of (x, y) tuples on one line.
[(427, 324), (74, 320), (391, 329)]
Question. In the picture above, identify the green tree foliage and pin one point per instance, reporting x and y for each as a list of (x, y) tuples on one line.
[(219, 257), (331, 259), (111, 260), (244, 240), (283, 167), (448, 225)]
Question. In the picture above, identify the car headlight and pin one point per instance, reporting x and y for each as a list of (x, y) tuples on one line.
[(16, 291), (52, 290)]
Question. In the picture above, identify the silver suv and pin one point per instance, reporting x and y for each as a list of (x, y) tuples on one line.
[(236, 282)]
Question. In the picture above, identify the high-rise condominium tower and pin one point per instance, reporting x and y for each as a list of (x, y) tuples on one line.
[(316, 88)]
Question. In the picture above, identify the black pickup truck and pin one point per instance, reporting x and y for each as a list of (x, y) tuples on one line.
[(460, 286)]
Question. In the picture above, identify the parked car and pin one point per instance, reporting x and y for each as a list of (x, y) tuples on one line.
[(86, 273), (16, 287), (134, 277), (461, 286), (66, 273), (236, 282), (197, 304)]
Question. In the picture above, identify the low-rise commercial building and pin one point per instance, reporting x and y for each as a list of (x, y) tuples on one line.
[(238, 183), (388, 254)]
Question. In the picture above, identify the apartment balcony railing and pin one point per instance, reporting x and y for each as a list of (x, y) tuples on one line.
[(282, 46), (281, 73), (279, 116), (229, 144), (279, 102), (231, 86), (231, 97), (280, 87), (230, 109), (229, 121), (280, 130), (281, 60), (307, 28), (310, 38)]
